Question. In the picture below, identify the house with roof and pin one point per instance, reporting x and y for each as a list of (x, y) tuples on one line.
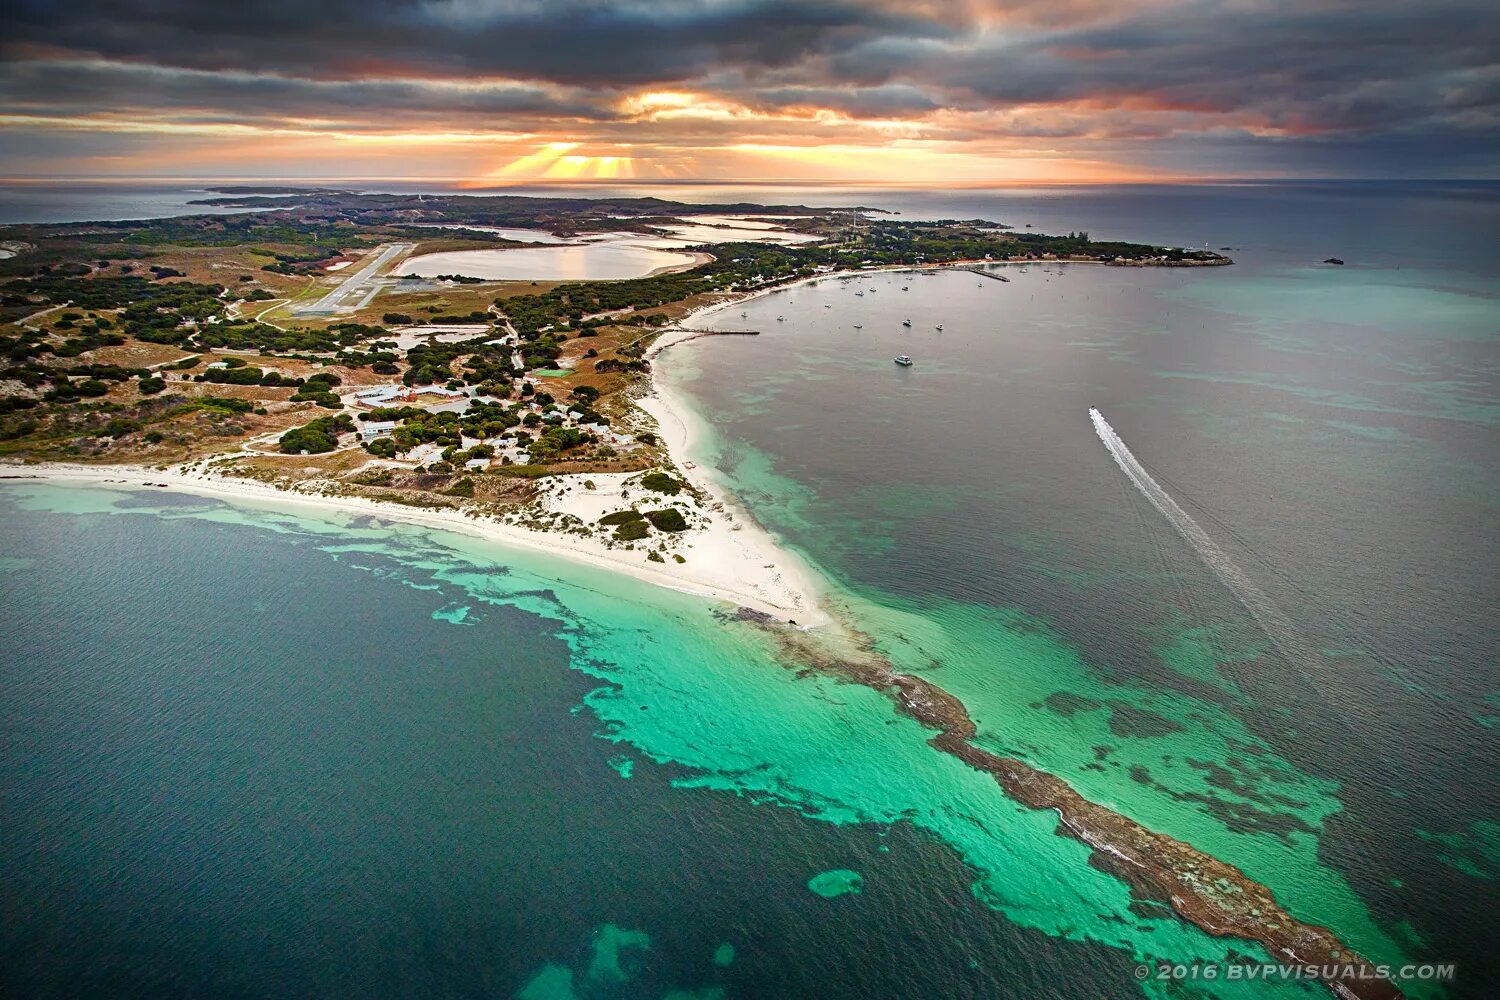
[(369, 430)]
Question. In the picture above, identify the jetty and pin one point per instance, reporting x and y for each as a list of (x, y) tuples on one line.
[(985, 274)]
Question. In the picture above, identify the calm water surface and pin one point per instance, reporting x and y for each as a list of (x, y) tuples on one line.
[(586, 262)]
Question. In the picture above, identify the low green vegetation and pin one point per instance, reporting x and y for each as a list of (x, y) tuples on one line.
[(632, 531), (662, 483), (667, 519), (320, 435)]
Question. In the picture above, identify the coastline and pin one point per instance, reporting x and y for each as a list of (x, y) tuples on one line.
[(733, 559), (728, 555)]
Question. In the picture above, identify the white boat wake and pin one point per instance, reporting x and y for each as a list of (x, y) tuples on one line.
[(1276, 624)]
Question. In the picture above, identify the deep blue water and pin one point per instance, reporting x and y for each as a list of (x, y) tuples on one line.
[(240, 761)]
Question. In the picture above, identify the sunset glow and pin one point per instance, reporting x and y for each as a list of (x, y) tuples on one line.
[(521, 92)]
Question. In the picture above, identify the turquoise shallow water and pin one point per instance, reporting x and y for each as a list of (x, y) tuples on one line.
[(258, 753), (207, 797), (1331, 429)]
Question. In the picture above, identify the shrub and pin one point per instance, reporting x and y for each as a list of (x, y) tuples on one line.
[(151, 386), (662, 483), (621, 517), (667, 519), (120, 426), (632, 530), (229, 403), (318, 436)]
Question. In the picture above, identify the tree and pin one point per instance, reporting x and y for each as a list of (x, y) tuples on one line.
[(316, 437)]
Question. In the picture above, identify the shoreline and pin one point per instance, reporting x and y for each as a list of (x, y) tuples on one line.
[(775, 585), (729, 556), (735, 559)]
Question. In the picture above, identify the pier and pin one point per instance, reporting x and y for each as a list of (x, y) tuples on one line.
[(985, 274)]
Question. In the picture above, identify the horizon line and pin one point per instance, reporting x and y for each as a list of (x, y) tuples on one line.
[(470, 187)]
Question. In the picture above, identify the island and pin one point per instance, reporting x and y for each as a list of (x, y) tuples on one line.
[(289, 350)]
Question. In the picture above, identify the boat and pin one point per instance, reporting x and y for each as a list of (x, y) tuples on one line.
[(859, 326), (902, 360), (903, 288), (940, 327), (781, 319), (906, 322)]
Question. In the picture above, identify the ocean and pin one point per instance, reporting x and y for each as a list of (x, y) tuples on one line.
[(263, 752)]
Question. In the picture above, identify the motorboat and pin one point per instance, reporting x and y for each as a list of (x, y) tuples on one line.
[(940, 328), (903, 360), (906, 322)]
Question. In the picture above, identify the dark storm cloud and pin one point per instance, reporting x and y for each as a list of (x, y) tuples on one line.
[(1408, 74), (72, 88), (571, 41)]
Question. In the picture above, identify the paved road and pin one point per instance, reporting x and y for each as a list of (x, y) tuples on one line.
[(360, 287)]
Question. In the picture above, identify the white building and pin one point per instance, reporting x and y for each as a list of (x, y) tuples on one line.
[(369, 430)]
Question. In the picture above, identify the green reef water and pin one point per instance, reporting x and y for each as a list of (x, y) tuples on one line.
[(701, 699)]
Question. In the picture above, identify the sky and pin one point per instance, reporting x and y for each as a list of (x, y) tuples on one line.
[(490, 93)]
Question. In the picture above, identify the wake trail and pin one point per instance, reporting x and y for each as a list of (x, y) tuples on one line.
[(1270, 618)]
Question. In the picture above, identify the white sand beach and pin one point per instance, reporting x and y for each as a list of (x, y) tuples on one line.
[(727, 555)]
